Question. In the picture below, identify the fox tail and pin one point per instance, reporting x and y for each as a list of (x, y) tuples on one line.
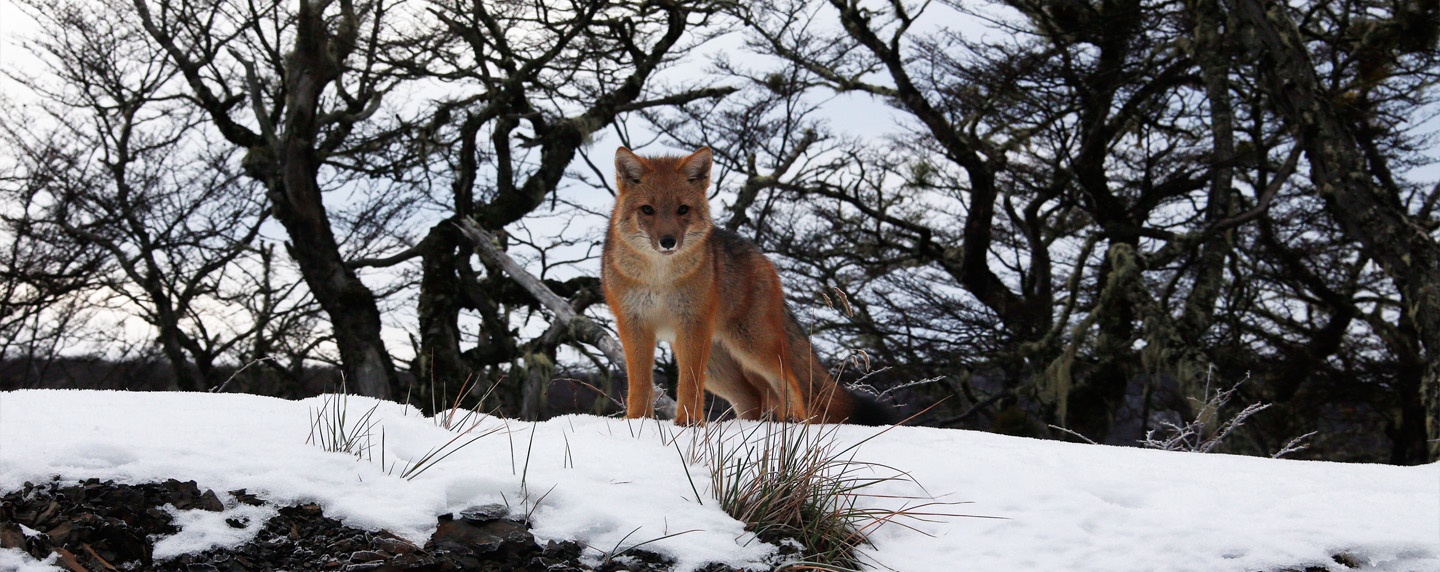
[(826, 400), (866, 410)]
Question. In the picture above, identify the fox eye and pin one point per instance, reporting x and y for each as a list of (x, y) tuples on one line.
[(647, 209), (683, 209)]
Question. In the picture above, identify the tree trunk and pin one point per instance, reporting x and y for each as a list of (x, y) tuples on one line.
[(186, 378), (295, 192), (439, 363), (1212, 57), (288, 158), (538, 370), (1377, 220), (1407, 431)]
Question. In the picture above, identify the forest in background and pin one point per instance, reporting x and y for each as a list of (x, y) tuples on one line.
[(1076, 219)]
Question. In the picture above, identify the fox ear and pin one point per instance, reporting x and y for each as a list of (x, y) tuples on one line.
[(696, 167), (628, 167)]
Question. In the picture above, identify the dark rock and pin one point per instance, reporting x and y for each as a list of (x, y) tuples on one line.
[(187, 496), (11, 536), (61, 533), (368, 555), (635, 561), (485, 513), (466, 537), (211, 502), (245, 498), (560, 556), (394, 545)]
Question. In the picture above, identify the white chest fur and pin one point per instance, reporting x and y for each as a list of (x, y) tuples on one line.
[(658, 294), (656, 307)]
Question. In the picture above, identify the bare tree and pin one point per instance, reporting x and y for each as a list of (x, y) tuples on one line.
[(1034, 147), (115, 167), (43, 279), (311, 75), (1347, 165)]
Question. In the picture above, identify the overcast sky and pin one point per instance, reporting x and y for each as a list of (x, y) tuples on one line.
[(13, 24)]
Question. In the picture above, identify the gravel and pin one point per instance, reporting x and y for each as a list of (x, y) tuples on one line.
[(98, 525)]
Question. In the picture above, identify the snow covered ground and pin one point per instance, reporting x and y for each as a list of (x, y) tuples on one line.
[(1063, 506)]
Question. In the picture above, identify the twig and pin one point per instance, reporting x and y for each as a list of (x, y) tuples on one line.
[(1295, 445), (1072, 432), (221, 387), (926, 381)]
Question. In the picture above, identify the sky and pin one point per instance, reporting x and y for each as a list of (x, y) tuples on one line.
[(14, 24), (1055, 506)]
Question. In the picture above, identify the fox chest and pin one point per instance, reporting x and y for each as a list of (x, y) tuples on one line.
[(665, 310)]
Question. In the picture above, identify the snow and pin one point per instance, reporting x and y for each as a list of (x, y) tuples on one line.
[(203, 530), (612, 484), (16, 560)]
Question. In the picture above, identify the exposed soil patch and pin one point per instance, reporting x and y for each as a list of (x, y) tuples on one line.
[(98, 526)]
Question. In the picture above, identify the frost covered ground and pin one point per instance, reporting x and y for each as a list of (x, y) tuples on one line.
[(611, 482)]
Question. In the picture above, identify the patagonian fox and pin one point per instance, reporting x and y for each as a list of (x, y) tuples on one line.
[(670, 274)]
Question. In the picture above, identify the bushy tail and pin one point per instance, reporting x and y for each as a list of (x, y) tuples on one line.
[(825, 400)]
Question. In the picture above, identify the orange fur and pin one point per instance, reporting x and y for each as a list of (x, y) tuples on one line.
[(670, 274)]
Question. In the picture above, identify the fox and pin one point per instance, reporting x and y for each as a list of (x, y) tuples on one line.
[(669, 273)]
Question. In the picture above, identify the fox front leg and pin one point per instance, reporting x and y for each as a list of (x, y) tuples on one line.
[(692, 355), (639, 343)]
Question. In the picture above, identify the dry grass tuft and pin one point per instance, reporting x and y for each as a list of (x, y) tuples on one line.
[(795, 483)]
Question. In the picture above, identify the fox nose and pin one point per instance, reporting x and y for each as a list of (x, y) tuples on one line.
[(667, 242)]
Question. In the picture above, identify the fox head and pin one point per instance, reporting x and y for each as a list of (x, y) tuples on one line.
[(662, 204)]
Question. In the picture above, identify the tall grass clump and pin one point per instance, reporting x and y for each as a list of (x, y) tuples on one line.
[(795, 482), (335, 430)]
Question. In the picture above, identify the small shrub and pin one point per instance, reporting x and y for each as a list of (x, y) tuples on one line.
[(1207, 431)]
